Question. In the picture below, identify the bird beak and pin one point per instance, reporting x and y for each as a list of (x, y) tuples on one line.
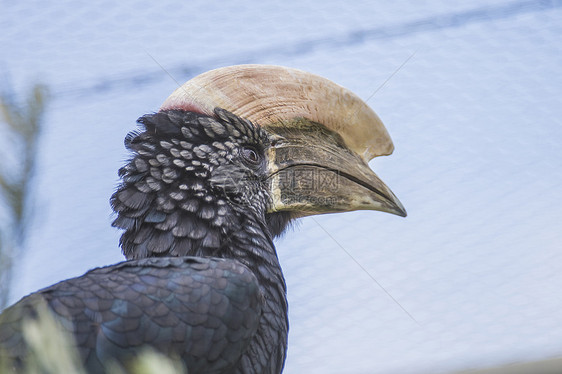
[(312, 171)]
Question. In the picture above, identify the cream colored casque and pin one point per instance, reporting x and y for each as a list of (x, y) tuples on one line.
[(271, 96)]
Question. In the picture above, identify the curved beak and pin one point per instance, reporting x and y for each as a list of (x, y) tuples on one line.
[(312, 171)]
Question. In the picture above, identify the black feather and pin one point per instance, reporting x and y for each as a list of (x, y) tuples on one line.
[(185, 192)]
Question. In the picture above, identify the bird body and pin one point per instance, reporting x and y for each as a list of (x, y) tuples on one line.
[(205, 310), (201, 200)]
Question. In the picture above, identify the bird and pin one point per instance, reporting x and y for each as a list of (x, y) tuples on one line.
[(230, 160)]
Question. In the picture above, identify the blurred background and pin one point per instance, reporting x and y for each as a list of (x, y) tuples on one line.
[(469, 91)]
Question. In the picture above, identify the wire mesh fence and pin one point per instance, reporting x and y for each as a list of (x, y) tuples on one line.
[(475, 119)]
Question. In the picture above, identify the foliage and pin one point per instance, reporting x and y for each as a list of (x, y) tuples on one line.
[(20, 126)]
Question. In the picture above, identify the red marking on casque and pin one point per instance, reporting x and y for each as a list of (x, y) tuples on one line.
[(185, 106)]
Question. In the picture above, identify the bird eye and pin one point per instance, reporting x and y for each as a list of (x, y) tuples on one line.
[(250, 155)]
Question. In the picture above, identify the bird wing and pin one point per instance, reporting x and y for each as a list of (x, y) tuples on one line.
[(202, 310)]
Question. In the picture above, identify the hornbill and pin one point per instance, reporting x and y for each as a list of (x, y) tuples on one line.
[(229, 160)]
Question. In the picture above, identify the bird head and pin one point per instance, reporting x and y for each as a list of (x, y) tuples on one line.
[(274, 142), (322, 135)]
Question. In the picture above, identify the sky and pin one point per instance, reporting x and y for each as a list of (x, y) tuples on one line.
[(470, 94)]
